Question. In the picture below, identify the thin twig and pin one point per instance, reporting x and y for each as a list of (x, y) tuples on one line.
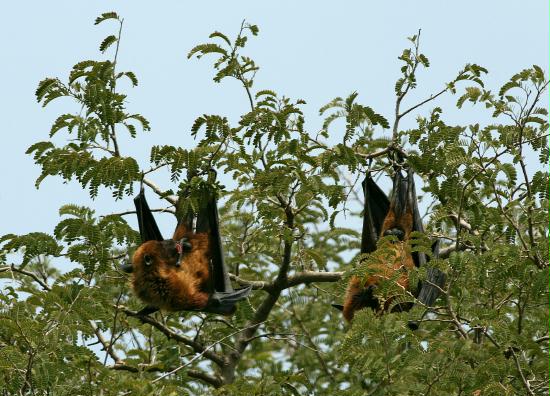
[(203, 352)]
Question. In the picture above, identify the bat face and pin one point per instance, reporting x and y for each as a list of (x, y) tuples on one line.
[(154, 256), (172, 275)]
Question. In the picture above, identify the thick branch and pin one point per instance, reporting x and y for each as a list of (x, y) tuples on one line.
[(313, 276), (293, 280), (256, 285), (263, 311), (132, 369), (213, 380)]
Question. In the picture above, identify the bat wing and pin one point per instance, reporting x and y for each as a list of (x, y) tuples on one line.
[(407, 201), (148, 228), (408, 194), (435, 280), (375, 210), (223, 298), (224, 302)]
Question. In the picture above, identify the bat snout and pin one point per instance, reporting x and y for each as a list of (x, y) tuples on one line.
[(397, 232)]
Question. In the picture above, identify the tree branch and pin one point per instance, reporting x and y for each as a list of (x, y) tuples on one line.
[(35, 277), (520, 371), (129, 212), (170, 198), (432, 97), (313, 276), (106, 344), (199, 355), (213, 380), (196, 346), (256, 285)]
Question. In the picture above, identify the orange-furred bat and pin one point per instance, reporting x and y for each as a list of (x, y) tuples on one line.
[(399, 218), (186, 272)]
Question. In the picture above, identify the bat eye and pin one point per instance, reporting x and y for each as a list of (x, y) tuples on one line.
[(148, 259)]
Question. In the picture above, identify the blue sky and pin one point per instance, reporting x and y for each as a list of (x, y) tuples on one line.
[(314, 50)]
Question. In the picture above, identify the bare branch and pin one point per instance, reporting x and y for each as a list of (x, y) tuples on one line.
[(170, 198), (128, 212), (35, 277), (256, 285), (542, 339), (432, 97), (213, 380), (520, 371), (313, 276), (106, 344), (209, 347)]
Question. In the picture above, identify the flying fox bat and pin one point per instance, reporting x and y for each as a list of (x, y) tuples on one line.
[(398, 217), (186, 272)]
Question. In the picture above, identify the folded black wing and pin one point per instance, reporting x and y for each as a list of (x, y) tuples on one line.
[(375, 210), (148, 228), (223, 298), (430, 288), (406, 200)]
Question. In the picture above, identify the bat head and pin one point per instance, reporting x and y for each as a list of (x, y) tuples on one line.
[(154, 256)]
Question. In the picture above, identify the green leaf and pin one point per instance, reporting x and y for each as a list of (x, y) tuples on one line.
[(107, 42), (203, 49), (105, 16), (220, 35)]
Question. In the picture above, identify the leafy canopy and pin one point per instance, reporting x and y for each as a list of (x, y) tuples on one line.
[(282, 218)]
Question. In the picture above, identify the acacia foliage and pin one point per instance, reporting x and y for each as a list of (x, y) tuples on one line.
[(282, 227)]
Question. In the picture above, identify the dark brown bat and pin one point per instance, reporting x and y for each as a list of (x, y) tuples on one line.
[(186, 272), (399, 218)]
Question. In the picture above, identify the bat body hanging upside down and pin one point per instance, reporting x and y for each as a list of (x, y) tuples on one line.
[(399, 218), (167, 278), (186, 272)]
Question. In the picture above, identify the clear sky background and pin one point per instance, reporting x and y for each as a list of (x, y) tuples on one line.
[(313, 50)]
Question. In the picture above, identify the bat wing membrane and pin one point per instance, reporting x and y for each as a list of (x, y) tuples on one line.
[(148, 228)]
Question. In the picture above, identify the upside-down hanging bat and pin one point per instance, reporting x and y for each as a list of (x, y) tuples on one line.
[(399, 218), (186, 272)]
